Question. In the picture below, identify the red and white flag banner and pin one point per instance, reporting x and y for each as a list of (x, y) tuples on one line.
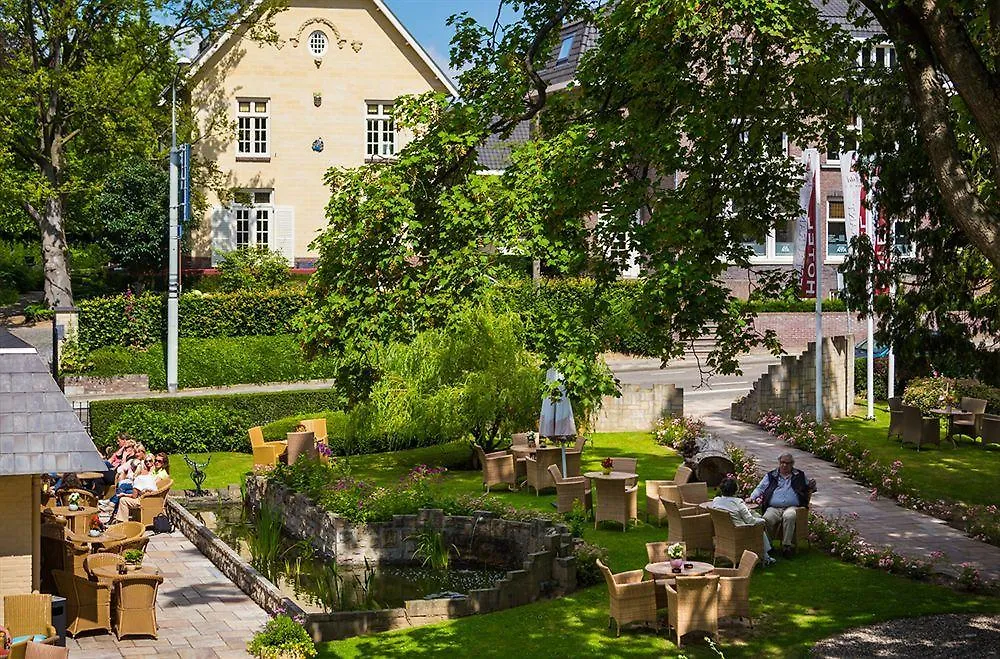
[(807, 226)]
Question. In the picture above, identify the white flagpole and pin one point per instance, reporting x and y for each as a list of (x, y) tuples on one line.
[(892, 356), (820, 261)]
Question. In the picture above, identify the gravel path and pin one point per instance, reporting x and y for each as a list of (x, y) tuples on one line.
[(932, 637)]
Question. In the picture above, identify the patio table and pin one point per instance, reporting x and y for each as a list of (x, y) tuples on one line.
[(110, 572), (95, 540), (662, 570), (79, 520), (613, 476), (950, 413)]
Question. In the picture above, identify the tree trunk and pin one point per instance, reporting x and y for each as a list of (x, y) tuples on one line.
[(58, 289)]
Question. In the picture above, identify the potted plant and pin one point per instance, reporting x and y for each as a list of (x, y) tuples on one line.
[(607, 464), (95, 526), (676, 552), (133, 557), (282, 638), (73, 501)]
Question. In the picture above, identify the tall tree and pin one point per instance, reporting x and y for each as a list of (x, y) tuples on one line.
[(81, 80)]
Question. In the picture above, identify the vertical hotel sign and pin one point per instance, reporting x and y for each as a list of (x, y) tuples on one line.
[(807, 226)]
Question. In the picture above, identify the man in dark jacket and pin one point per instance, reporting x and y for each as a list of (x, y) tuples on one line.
[(779, 493)]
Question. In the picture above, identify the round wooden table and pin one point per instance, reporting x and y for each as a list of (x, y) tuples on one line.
[(79, 520), (613, 476), (110, 572), (94, 540), (664, 571), (950, 413), (89, 475)]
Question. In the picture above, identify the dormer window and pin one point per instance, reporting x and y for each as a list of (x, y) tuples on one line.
[(318, 43), (564, 47)]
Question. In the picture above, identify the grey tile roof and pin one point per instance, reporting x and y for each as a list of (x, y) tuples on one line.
[(494, 155), (39, 431)]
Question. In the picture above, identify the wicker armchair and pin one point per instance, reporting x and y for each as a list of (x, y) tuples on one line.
[(631, 598), (265, 453), (732, 541), (569, 490), (135, 604), (693, 604), (74, 553), (616, 502), (101, 560), (629, 465), (28, 615), (88, 603), (152, 503), (896, 417), (519, 439), (498, 468), (919, 429), (45, 650), (968, 424), (574, 458), (317, 427), (127, 529), (653, 505), (87, 498), (690, 525), (686, 494), (537, 467), (734, 587), (990, 430)]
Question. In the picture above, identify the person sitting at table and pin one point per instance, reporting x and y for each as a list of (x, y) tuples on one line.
[(126, 474), (738, 511), (153, 471), (779, 493)]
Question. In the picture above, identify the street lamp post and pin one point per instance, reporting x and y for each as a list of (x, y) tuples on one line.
[(173, 278)]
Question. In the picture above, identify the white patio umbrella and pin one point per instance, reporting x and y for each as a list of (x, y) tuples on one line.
[(556, 419)]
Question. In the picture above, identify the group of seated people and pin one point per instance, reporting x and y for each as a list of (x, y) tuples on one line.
[(779, 493), (130, 468)]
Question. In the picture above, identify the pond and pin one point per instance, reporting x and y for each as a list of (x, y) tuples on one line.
[(318, 584)]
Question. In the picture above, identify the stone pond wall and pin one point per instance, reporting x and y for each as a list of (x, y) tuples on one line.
[(538, 555)]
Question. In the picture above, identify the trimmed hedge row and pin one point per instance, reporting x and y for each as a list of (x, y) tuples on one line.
[(140, 320), (881, 373), (201, 423)]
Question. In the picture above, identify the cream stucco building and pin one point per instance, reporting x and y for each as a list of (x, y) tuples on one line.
[(275, 117)]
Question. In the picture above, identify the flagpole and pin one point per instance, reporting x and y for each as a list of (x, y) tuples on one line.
[(892, 355), (820, 261)]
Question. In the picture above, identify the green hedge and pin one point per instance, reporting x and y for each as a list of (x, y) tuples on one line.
[(217, 423), (215, 362), (926, 393), (127, 320), (881, 377)]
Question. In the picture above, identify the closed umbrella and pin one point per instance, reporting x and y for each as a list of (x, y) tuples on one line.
[(556, 419)]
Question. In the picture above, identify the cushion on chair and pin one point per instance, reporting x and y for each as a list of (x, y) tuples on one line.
[(34, 638)]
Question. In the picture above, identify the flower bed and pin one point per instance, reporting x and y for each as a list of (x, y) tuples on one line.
[(981, 522)]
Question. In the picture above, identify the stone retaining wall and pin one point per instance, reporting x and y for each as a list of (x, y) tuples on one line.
[(639, 408), (79, 386)]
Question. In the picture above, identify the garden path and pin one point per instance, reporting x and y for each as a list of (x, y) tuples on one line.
[(200, 612), (881, 522)]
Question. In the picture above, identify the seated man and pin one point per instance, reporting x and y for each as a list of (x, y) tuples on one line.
[(738, 511), (779, 493)]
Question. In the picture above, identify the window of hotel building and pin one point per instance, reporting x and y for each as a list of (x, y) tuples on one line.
[(836, 228), (381, 131), (849, 142), (252, 128), (564, 48), (253, 221), (318, 43), (902, 240)]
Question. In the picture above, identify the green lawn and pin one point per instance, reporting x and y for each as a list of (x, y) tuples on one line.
[(223, 470), (796, 603), (968, 473)]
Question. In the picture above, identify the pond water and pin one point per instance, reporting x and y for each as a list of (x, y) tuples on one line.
[(318, 584)]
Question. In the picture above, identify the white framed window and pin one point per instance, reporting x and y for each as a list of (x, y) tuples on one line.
[(836, 229), (380, 130), (902, 239), (882, 55), (564, 49), (252, 128), (835, 146), (318, 43), (253, 220)]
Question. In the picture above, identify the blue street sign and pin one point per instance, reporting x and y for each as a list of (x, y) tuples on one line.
[(184, 183)]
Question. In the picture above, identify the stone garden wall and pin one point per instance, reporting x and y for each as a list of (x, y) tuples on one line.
[(790, 386), (639, 408)]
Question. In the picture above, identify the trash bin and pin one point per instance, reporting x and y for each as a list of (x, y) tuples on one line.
[(59, 618)]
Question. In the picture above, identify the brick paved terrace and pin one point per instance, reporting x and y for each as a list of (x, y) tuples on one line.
[(199, 611)]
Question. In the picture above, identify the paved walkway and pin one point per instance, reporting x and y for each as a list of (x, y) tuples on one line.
[(200, 612), (880, 522)]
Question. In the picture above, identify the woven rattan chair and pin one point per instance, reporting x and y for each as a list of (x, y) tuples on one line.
[(616, 502), (135, 604), (968, 424), (653, 506), (101, 560), (519, 439), (692, 526), (88, 603), (44, 650), (265, 453), (628, 465), (896, 417), (631, 598), (74, 553), (919, 429), (686, 494), (87, 498), (732, 541), (127, 529), (693, 604), (574, 458), (734, 587), (569, 490), (28, 615), (537, 467), (317, 427), (498, 468), (990, 430), (152, 503)]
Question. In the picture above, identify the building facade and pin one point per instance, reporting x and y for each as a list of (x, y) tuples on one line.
[(274, 117)]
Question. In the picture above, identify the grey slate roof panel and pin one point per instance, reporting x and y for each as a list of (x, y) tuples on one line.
[(494, 155), (39, 431)]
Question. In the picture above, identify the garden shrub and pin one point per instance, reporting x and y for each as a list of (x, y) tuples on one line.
[(881, 374), (20, 267), (254, 268), (587, 572), (282, 637), (194, 430), (928, 393), (244, 410)]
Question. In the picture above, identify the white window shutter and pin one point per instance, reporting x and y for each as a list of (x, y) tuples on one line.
[(223, 232), (284, 232)]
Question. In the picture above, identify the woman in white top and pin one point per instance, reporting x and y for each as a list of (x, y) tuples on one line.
[(739, 512)]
